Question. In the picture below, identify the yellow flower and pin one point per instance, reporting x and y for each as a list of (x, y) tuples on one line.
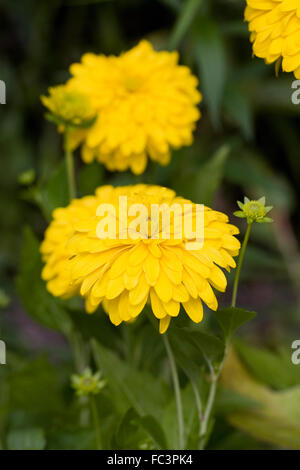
[(71, 111), (126, 272), (275, 26), (54, 247), (146, 105)]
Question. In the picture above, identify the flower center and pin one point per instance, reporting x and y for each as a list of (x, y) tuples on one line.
[(132, 83)]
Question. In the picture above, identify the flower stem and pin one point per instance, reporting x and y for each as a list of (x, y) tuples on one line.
[(215, 374), (70, 167), (239, 265), (177, 392), (95, 416), (208, 409)]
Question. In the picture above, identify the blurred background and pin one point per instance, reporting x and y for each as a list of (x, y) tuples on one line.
[(247, 143)]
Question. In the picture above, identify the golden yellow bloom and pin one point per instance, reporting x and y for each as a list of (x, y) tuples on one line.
[(146, 105), (125, 272), (275, 26)]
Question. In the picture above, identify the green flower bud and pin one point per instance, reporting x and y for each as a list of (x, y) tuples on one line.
[(27, 177), (87, 383), (254, 211)]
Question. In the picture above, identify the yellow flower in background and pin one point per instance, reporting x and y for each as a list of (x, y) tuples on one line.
[(274, 27), (146, 105), (123, 274), (68, 107)]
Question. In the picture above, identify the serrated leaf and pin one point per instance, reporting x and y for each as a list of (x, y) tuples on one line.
[(230, 319)]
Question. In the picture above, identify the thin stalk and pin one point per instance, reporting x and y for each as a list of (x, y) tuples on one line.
[(70, 167), (183, 22), (177, 392), (96, 422), (239, 265), (198, 403), (215, 375), (208, 410)]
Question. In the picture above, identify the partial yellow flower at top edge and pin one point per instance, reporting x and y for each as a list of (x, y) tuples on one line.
[(274, 27), (146, 105), (123, 273)]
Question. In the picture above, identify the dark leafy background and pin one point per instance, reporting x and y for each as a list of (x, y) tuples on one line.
[(247, 142)]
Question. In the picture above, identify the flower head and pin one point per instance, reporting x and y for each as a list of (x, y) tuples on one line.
[(68, 107), (254, 211), (146, 105), (87, 383), (125, 272), (274, 26)]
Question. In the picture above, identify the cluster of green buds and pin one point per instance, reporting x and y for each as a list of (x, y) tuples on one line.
[(87, 383), (254, 211), (68, 108)]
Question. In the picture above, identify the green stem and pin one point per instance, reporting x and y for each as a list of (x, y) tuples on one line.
[(95, 416), (215, 375), (70, 167), (239, 265), (198, 403), (177, 392), (183, 22), (78, 352), (208, 410)]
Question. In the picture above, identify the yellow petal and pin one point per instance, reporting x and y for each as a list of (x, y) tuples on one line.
[(157, 306), (163, 287), (164, 324), (138, 293), (194, 309), (151, 268)]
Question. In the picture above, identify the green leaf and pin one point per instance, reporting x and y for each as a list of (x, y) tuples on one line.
[(34, 387), (78, 439), (209, 176), (230, 319), (250, 170), (238, 108), (229, 401), (38, 302), (210, 56), (273, 369), (277, 420), (90, 177), (192, 338), (205, 180), (131, 388), (129, 432), (26, 439), (55, 193), (169, 420)]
